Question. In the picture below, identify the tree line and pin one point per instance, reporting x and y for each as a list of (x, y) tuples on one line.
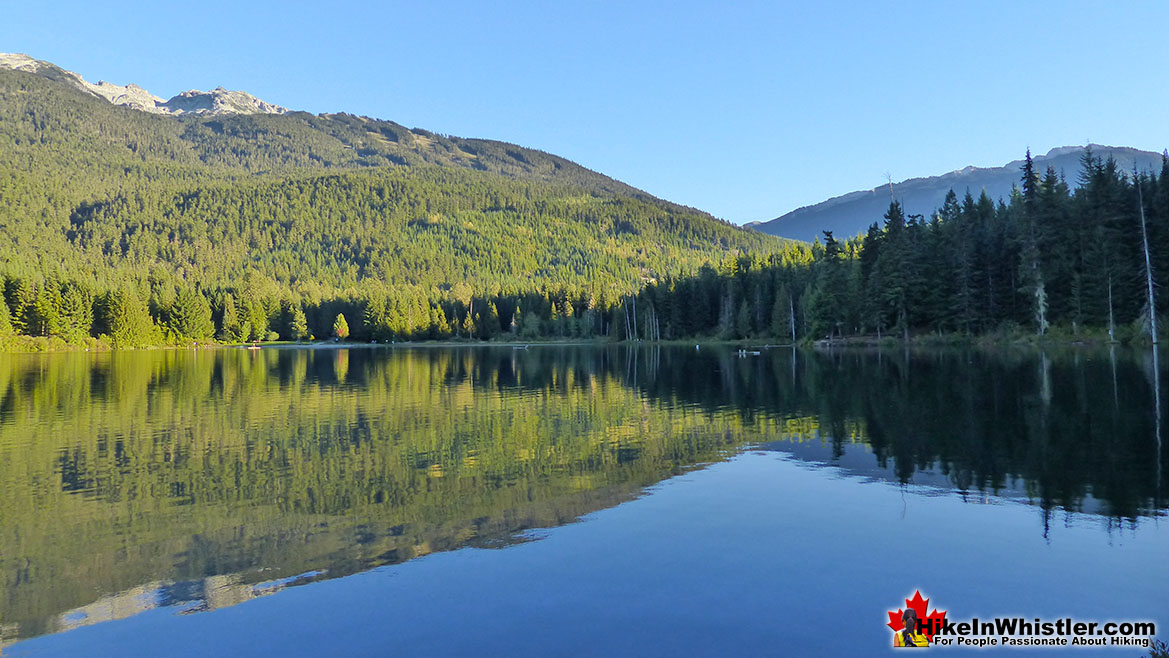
[(1051, 258), (124, 228), (1055, 259)]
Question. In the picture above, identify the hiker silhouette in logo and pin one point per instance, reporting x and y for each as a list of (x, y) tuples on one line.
[(909, 636)]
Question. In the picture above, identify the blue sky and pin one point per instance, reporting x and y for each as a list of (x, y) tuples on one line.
[(746, 110)]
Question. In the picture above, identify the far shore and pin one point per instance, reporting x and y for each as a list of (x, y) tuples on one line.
[(29, 345)]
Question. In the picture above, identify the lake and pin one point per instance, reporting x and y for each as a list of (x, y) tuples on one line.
[(558, 500)]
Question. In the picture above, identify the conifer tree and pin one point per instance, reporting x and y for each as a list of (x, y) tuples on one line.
[(20, 295), (872, 302), (441, 328), (1030, 269), (6, 329), (468, 323), (189, 316), (127, 319), (827, 304), (43, 317), (233, 328), (780, 312), (298, 325), (12, 286), (76, 312), (893, 265)]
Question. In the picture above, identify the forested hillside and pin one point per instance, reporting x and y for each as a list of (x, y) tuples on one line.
[(147, 228), (123, 228), (1059, 258)]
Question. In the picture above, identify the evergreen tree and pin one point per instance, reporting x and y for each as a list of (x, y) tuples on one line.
[(469, 323), (489, 323), (298, 325), (126, 319), (376, 318), (43, 316), (75, 322), (20, 296), (255, 316), (743, 321), (893, 265), (6, 328), (232, 327), (440, 327), (189, 316), (828, 298), (1030, 270), (781, 312), (874, 317)]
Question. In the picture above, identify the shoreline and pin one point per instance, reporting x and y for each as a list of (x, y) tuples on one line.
[(41, 346)]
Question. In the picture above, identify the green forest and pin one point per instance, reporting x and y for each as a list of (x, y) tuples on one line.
[(123, 229), (1056, 259)]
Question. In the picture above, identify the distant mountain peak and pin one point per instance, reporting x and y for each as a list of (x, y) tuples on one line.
[(216, 101), (850, 214), (1064, 150), (219, 101), (20, 62)]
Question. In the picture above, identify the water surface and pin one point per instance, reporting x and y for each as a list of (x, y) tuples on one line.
[(567, 501)]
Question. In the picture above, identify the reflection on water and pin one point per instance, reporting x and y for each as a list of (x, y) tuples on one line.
[(204, 479)]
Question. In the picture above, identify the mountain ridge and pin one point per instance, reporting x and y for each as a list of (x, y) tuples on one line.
[(217, 101), (851, 213), (404, 231)]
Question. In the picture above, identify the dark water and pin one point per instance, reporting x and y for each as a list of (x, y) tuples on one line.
[(569, 501)]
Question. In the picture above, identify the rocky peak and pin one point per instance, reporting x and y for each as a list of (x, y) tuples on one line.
[(220, 101), (20, 62), (216, 101)]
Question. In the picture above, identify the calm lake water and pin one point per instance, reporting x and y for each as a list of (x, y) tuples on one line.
[(570, 500)]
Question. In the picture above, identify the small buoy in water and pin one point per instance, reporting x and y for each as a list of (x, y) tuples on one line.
[(695, 347)]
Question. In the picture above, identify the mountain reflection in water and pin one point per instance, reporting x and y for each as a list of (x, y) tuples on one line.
[(135, 480)]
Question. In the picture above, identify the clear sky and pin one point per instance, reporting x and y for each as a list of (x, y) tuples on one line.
[(746, 110)]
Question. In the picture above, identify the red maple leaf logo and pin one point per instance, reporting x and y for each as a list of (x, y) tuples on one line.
[(930, 622)]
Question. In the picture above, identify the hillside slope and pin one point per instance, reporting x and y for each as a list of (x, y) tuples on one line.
[(91, 188), (237, 220), (47, 115)]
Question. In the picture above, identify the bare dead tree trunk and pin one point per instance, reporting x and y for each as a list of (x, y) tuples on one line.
[(791, 305), (635, 317), (1157, 396), (1111, 326), (625, 310), (1148, 267)]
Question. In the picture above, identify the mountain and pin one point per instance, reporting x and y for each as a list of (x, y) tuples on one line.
[(230, 130), (216, 101), (851, 214), (107, 188)]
